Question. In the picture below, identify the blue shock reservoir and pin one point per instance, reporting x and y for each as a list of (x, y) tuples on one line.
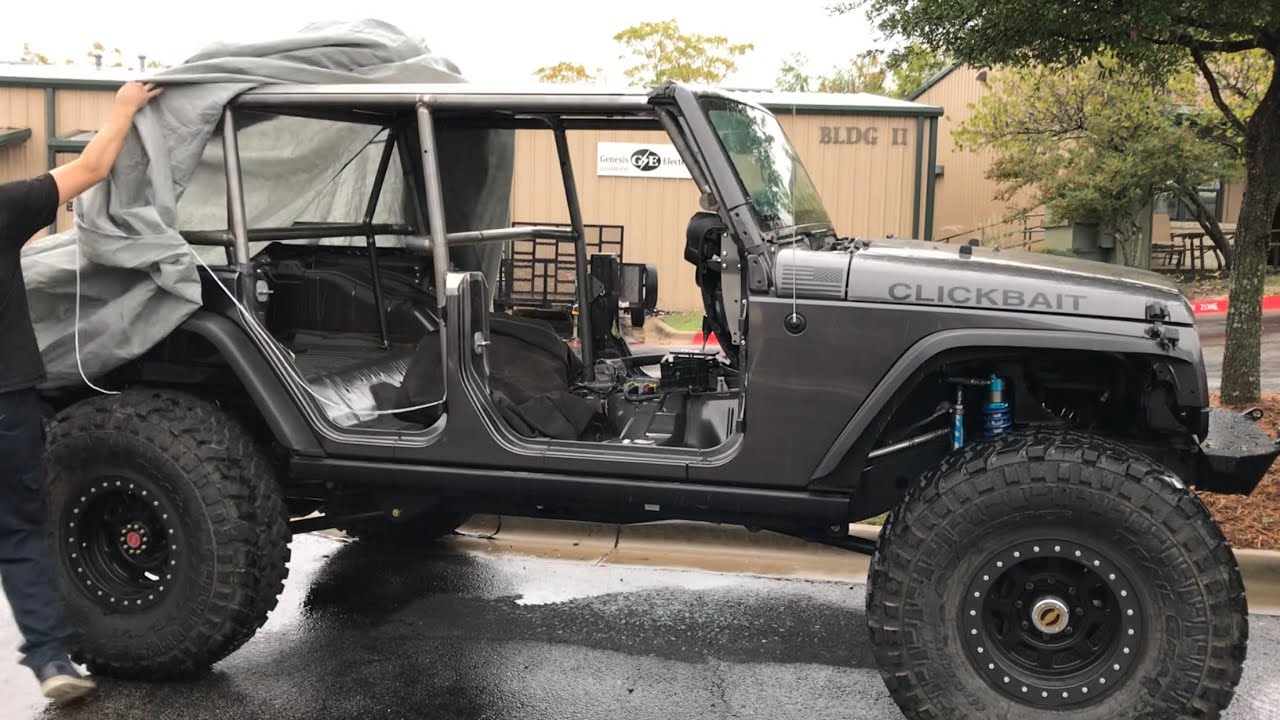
[(997, 419), (957, 430)]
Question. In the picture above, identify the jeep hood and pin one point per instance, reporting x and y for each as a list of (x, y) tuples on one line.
[(913, 272)]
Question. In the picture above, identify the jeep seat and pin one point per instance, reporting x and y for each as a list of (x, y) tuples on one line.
[(350, 396)]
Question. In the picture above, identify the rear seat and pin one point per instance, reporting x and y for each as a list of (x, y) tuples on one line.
[(352, 395)]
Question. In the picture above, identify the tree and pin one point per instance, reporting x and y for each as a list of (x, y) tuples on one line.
[(565, 72), (911, 65), (32, 57), (1153, 35), (661, 52), (1096, 142), (793, 74), (895, 73), (96, 50)]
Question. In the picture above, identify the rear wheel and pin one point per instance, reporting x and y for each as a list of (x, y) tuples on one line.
[(1038, 574), (169, 533)]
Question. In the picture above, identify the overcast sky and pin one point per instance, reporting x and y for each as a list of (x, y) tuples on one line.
[(491, 41)]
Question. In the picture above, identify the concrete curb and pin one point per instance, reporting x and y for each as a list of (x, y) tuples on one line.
[(734, 549), (663, 331)]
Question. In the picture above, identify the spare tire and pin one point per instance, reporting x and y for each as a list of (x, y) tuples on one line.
[(169, 532)]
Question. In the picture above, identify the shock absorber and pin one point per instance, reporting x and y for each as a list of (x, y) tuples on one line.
[(997, 419)]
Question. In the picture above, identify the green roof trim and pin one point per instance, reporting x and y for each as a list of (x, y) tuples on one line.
[(13, 136), (937, 78), (874, 110), (73, 143), (40, 83)]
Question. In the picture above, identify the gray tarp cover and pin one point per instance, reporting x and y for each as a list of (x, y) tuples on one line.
[(139, 280)]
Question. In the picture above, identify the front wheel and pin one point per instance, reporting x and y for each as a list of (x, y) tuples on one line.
[(1042, 574)]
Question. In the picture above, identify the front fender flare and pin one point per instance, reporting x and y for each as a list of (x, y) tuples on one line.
[(1185, 359)]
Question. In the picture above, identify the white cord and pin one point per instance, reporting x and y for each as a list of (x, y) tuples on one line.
[(262, 333), (254, 325), (79, 364)]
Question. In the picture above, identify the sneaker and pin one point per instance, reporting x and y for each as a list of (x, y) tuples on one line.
[(62, 683)]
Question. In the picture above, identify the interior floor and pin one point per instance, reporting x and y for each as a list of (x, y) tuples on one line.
[(325, 305)]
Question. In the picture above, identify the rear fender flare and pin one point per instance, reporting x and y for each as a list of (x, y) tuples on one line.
[(1184, 361), (259, 380)]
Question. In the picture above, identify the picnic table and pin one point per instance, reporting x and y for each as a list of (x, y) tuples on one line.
[(1188, 245)]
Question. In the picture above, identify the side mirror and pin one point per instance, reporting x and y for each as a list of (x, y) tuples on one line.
[(639, 290)]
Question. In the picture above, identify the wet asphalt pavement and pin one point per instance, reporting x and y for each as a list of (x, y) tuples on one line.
[(1213, 330), (361, 634)]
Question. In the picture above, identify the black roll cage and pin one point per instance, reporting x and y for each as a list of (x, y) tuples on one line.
[(670, 107)]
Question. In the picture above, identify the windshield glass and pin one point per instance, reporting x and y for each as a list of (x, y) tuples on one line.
[(779, 188)]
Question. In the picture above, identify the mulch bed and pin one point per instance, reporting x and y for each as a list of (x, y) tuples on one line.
[(1253, 521)]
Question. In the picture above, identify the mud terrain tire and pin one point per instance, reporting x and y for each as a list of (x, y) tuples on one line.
[(169, 533), (1086, 527)]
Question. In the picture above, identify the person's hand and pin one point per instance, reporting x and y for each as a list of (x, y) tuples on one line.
[(134, 94)]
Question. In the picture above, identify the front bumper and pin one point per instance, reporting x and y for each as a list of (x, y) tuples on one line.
[(1235, 454)]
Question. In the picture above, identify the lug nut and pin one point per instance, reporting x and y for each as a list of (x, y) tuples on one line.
[(1026, 625), (1071, 631), (1018, 604), (1031, 586)]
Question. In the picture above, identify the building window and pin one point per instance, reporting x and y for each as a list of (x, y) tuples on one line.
[(1179, 210)]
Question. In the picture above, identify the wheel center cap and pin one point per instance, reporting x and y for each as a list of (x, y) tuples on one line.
[(133, 540), (1050, 615)]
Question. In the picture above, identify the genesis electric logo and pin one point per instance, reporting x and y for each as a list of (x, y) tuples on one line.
[(647, 160)]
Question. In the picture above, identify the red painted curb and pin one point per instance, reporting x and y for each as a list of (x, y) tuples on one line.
[(711, 339), (1217, 307)]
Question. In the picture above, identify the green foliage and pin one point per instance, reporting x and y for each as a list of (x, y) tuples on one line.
[(1096, 141), (913, 64), (793, 74), (660, 52), (564, 72), (32, 57), (114, 58), (1020, 32), (895, 73), (864, 73)]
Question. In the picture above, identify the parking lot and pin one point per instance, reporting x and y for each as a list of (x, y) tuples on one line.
[(448, 634)]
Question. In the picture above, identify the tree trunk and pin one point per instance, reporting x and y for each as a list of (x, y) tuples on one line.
[(1241, 366), (1208, 223)]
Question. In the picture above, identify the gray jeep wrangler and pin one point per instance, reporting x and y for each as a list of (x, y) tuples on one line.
[(1034, 425)]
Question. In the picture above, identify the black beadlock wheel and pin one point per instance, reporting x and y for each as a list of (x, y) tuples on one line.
[(168, 529), (1039, 575)]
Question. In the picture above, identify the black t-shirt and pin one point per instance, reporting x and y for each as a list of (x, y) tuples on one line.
[(25, 207)]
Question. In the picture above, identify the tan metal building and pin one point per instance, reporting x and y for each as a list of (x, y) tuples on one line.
[(868, 156)]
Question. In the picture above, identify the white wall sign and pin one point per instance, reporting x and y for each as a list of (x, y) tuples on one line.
[(651, 160)]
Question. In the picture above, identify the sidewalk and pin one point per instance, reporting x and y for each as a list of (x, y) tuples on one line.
[(733, 549)]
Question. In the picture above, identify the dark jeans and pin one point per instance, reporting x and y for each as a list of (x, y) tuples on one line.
[(26, 568)]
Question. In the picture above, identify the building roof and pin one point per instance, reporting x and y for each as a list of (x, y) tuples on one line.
[(80, 76), (861, 103), (68, 76), (13, 136), (937, 78)]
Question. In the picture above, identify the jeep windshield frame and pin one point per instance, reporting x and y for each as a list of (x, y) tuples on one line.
[(777, 185)]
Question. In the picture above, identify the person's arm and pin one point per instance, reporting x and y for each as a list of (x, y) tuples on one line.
[(94, 163)]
